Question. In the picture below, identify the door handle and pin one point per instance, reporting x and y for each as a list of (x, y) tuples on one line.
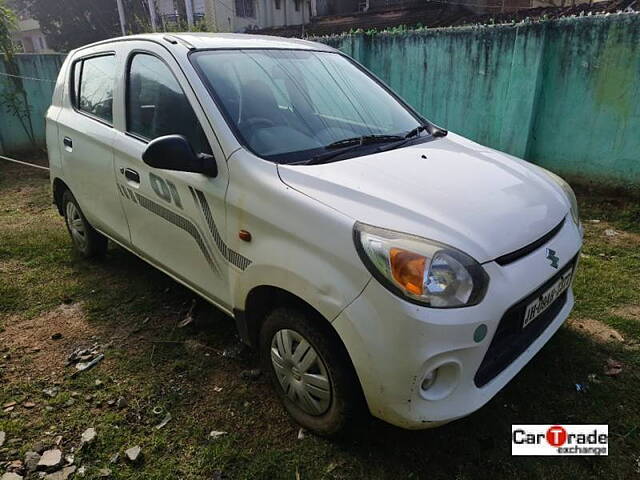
[(132, 175), (68, 143)]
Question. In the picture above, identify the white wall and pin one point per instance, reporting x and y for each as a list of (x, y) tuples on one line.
[(198, 6), (266, 15), (165, 7)]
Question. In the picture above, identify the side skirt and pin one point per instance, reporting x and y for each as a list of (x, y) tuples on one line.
[(175, 277)]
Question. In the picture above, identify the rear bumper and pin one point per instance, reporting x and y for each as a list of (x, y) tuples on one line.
[(393, 343)]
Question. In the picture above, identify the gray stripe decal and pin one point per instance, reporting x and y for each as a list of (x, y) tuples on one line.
[(193, 194), (179, 222), (131, 194), (232, 256), (176, 220)]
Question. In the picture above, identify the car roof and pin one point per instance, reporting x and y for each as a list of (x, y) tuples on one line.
[(203, 41)]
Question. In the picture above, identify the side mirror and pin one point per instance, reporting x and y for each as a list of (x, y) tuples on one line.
[(174, 152)]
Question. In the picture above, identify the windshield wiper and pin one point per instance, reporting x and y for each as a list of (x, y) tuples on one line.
[(349, 144), (363, 140), (416, 131), (433, 130)]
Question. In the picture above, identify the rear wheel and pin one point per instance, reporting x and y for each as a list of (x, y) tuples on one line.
[(86, 240), (310, 371)]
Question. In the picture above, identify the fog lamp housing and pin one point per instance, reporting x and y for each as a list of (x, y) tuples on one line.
[(429, 379), (440, 380)]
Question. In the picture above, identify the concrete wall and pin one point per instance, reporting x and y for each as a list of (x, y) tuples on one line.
[(41, 71), (564, 94)]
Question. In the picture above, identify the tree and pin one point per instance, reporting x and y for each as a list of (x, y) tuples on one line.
[(68, 24), (13, 98), (8, 23)]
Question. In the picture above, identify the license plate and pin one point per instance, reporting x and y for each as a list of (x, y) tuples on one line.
[(544, 301)]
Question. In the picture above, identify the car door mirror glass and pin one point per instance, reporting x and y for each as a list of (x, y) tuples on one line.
[(174, 152)]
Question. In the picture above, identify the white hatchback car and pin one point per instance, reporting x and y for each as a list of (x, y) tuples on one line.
[(368, 254)]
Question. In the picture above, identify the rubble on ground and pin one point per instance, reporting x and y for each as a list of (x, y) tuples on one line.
[(252, 374), (63, 474), (31, 460), (133, 454), (50, 460), (85, 358), (612, 368), (215, 434), (88, 436)]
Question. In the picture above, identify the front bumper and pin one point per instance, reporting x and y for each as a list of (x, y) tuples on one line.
[(393, 343)]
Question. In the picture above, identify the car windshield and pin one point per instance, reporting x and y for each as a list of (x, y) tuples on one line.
[(292, 105)]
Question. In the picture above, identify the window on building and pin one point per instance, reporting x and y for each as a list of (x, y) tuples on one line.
[(27, 42), (93, 86), (245, 8), (277, 2), (297, 5), (157, 105)]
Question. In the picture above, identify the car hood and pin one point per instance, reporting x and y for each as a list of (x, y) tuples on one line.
[(481, 201)]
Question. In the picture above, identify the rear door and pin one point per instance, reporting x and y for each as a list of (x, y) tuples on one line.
[(173, 222), (86, 134)]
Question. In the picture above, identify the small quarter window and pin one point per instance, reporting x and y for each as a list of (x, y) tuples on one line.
[(157, 105), (93, 86)]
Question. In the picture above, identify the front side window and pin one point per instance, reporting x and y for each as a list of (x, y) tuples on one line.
[(288, 105), (93, 86), (157, 105)]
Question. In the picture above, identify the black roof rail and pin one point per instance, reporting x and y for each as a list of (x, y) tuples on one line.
[(174, 40)]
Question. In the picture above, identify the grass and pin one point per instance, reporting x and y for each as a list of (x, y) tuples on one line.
[(134, 309)]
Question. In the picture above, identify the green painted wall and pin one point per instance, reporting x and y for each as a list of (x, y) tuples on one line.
[(564, 93), (40, 72)]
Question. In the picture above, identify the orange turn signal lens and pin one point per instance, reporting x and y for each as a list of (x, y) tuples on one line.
[(407, 269)]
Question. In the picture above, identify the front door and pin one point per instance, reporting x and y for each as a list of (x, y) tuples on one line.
[(176, 219)]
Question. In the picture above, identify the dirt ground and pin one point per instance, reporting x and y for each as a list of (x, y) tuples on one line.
[(53, 303)]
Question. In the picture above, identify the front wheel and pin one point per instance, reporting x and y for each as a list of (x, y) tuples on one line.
[(310, 371), (86, 240)]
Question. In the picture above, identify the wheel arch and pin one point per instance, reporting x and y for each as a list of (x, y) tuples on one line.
[(263, 299), (59, 187)]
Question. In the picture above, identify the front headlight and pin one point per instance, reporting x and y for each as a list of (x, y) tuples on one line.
[(420, 270), (568, 191)]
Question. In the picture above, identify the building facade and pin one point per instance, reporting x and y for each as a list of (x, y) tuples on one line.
[(235, 15), (28, 38)]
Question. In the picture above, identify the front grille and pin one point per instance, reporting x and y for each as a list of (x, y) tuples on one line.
[(527, 249), (510, 339)]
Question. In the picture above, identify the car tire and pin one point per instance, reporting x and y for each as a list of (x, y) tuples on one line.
[(323, 394), (86, 240)]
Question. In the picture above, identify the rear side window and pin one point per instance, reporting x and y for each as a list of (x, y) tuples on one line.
[(157, 105), (93, 86)]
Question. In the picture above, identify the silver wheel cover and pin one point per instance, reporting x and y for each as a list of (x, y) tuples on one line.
[(76, 226), (301, 372)]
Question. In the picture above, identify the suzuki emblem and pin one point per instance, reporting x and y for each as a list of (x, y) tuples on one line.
[(551, 256)]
